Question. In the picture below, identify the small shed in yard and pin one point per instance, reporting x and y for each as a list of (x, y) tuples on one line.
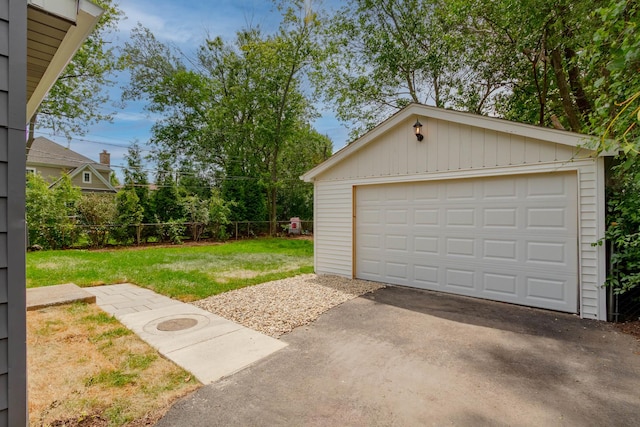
[(480, 206)]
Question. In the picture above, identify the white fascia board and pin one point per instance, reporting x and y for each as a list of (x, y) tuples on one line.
[(86, 19), (65, 9)]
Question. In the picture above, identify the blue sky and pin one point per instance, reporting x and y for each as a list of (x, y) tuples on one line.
[(184, 24)]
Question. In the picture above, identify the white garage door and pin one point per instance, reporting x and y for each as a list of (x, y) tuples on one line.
[(511, 239)]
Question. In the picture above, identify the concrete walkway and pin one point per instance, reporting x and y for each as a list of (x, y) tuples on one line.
[(208, 346)]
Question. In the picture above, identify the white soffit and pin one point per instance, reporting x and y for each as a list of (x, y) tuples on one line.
[(53, 37)]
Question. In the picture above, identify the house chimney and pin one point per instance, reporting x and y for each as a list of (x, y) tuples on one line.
[(105, 158)]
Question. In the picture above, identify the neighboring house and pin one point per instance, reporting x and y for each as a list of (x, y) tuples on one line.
[(479, 206), (51, 160), (54, 30)]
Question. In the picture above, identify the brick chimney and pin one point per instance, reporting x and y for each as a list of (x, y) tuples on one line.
[(105, 158)]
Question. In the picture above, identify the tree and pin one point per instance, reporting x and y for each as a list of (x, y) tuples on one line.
[(130, 214), (135, 179), (381, 55), (238, 107), (166, 202), (78, 98)]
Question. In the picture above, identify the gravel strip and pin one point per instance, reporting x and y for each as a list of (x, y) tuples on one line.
[(275, 308)]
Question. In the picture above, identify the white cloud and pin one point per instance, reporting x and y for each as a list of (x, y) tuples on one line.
[(163, 22), (136, 116)]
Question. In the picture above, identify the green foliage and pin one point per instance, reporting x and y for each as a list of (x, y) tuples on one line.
[(614, 68), (50, 212), (623, 231), (78, 97), (380, 56), (166, 201), (172, 231), (234, 112), (219, 214), (130, 214), (197, 214), (98, 213)]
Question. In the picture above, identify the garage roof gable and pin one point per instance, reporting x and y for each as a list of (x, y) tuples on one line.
[(561, 137)]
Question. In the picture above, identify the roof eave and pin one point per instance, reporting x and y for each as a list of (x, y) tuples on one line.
[(87, 17)]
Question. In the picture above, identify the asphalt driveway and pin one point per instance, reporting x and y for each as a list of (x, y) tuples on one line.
[(408, 357)]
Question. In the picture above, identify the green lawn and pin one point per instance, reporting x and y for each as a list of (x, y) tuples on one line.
[(183, 272)]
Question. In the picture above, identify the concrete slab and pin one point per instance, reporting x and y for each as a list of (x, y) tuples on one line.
[(208, 346), (226, 355), (208, 327), (57, 295)]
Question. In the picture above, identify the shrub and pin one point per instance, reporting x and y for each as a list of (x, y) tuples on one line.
[(51, 212), (97, 211)]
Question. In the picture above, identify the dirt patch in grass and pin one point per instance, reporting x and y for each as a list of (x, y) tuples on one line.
[(86, 369)]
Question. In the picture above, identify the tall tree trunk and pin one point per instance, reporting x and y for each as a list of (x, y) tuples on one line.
[(582, 101), (273, 194), (563, 88)]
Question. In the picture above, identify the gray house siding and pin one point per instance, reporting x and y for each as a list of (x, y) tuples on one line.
[(13, 351)]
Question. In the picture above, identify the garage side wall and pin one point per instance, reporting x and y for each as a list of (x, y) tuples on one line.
[(451, 151)]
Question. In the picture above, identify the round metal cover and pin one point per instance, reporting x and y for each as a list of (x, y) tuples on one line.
[(178, 324)]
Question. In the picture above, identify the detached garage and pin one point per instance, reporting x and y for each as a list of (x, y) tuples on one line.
[(474, 206)]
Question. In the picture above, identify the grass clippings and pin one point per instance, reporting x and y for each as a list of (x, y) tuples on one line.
[(86, 369)]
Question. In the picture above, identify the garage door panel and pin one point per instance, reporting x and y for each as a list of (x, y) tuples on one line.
[(547, 218), (511, 239), (369, 217), (425, 245), (396, 217), (546, 289), (371, 267), (397, 270), (426, 275), (548, 253), (458, 278), (503, 250), (460, 247), (546, 186), (428, 217), (457, 190), (499, 189), (460, 217), (426, 193), (396, 242), (500, 217), (369, 241), (505, 285)]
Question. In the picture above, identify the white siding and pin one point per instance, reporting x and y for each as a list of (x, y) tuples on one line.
[(447, 146), (333, 228), (452, 150)]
